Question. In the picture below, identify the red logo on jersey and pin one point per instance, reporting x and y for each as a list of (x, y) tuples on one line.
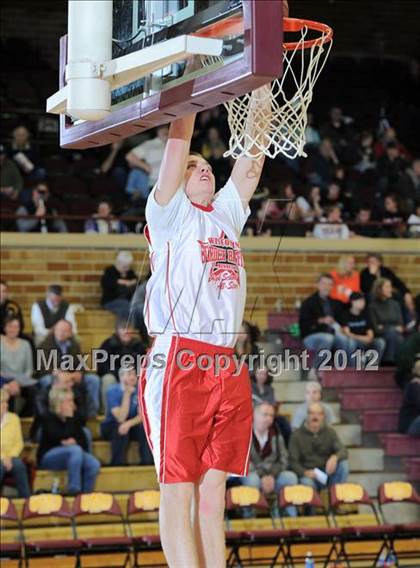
[(225, 257)]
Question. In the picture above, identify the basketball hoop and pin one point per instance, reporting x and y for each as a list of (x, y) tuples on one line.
[(279, 112)]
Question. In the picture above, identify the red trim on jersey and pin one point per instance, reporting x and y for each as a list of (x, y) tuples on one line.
[(146, 233), (203, 207), (167, 284), (165, 404), (140, 394)]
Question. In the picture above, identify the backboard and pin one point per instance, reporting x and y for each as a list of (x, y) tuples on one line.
[(252, 55)]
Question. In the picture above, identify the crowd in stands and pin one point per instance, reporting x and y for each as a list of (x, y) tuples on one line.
[(355, 183)]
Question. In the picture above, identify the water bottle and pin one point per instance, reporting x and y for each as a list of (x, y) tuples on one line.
[(55, 485), (309, 561), (391, 559)]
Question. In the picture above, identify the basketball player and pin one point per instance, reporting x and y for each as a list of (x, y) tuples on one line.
[(197, 417)]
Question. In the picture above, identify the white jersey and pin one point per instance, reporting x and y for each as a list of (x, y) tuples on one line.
[(198, 283)]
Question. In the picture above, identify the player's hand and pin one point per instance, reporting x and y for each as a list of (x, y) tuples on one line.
[(267, 484), (124, 428)]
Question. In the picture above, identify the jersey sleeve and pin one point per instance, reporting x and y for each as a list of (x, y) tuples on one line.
[(229, 201), (165, 220)]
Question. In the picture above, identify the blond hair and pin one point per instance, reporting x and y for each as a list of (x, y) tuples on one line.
[(342, 263), (57, 396)]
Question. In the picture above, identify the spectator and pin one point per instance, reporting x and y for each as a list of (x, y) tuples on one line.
[(346, 279), (104, 222), (63, 444), (386, 316), (123, 421), (61, 380), (268, 458), (16, 363), (58, 344), (123, 344), (365, 156), (318, 320), (115, 164), (409, 418), (332, 196), (333, 228), (262, 391), (337, 129), (391, 167), (11, 446), (144, 161), (392, 219), (409, 184), (390, 137), (313, 393), (26, 155), (413, 222), (310, 206), (363, 219), (118, 285), (359, 329), (246, 343), (46, 313), (11, 181), (38, 206), (374, 270), (314, 448), (8, 307), (321, 164)]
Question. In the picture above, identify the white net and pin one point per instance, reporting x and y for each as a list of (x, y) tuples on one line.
[(272, 120)]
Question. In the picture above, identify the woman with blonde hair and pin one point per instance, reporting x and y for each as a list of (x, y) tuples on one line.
[(63, 444), (346, 279), (386, 317)]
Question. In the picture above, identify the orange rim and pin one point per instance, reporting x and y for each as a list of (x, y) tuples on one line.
[(296, 25)]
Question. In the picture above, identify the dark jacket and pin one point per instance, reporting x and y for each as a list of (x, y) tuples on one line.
[(114, 346), (49, 346), (311, 310), (367, 280), (410, 408), (272, 459), (308, 450), (54, 430), (111, 290), (385, 313)]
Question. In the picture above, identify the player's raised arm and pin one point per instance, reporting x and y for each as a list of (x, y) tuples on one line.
[(246, 172), (174, 162)]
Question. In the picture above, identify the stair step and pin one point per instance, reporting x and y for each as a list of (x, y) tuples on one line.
[(290, 391), (114, 479), (359, 399), (412, 467), (400, 445), (366, 459), (351, 378), (380, 420), (372, 480), (349, 434)]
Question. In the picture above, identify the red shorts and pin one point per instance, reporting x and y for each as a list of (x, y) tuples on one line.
[(195, 419)]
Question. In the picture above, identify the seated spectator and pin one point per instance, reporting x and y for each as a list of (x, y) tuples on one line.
[(262, 391), (338, 129), (123, 421), (115, 164), (392, 219), (409, 418), (391, 167), (118, 285), (11, 181), (365, 155), (16, 363), (413, 222), (60, 348), (314, 448), (390, 136), (386, 316), (313, 393), (333, 228), (124, 342), (363, 227), (63, 444), (11, 446), (332, 197), (321, 164), (61, 380), (409, 185), (144, 162), (26, 155), (46, 313), (310, 205), (8, 307), (268, 458), (346, 279), (374, 270), (318, 321), (104, 222), (246, 342), (38, 206), (359, 329), (405, 358)]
